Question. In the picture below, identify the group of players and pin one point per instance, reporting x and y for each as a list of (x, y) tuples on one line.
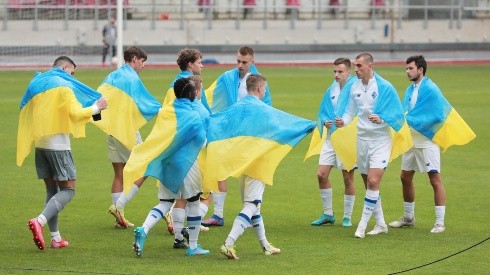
[(367, 98)]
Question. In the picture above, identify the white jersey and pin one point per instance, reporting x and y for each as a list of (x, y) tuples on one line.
[(419, 140), (242, 87), (58, 142), (361, 103)]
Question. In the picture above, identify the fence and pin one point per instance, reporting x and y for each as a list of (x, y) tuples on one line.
[(240, 10)]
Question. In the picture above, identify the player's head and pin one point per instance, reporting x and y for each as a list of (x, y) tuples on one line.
[(416, 68), (419, 61), (341, 69), (66, 64), (135, 57), (185, 88), (245, 59), (197, 84), (256, 84), (364, 66), (190, 60)]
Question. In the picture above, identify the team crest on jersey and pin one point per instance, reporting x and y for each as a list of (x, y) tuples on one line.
[(333, 97), (374, 94), (358, 95), (427, 164)]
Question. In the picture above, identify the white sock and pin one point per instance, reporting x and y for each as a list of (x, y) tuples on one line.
[(440, 212), (369, 204), (219, 203), (349, 205), (378, 213), (56, 236), (156, 214), (326, 195), (194, 223), (203, 209), (409, 210), (115, 196), (259, 228), (178, 215), (42, 220), (123, 199), (241, 222)]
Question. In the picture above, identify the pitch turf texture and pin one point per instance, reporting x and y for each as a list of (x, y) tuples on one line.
[(289, 206)]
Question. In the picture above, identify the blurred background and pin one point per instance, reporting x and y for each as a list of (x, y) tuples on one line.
[(308, 31)]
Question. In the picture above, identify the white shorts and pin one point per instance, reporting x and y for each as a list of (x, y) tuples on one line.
[(192, 186), (251, 190), (118, 153), (422, 160), (329, 157), (373, 154)]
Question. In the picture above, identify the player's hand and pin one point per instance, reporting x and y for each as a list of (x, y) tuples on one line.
[(374, 118), (102, 103), (339, 122), (328, 124)]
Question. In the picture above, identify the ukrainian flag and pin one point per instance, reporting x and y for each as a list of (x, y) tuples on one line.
[(170, 150), (54, 103), (170, 96), (224, 91), (434, 117), (389, 108), (343, 139), (251, 138), (130, 105)]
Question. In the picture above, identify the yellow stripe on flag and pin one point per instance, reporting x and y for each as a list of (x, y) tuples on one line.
[(454, 131)]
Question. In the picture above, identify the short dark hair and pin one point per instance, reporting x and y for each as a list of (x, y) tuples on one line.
[(186, 56), (132, 51), (63, 59), (185, 88), (343, 60), (419, 62), (368, 57), (246, 50), (253, 81)]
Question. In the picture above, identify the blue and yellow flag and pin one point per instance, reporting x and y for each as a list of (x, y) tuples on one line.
[(171, 149), (130, 105), (55, 102), (170, 96), (434, 117), (389, 108), (251, 138), (342, 138), (224, 91)]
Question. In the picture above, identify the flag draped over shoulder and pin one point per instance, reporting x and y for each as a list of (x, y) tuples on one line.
[(434, 117), (224, 91), (170, 150), (343, 139), (389, 108), (170, 96), (55, 102), (130, 105), (251, 138)]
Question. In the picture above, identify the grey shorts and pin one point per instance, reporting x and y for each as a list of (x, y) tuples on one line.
[(57, 165)]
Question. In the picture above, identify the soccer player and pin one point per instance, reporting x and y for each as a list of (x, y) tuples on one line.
[(427, 110), (335, 99), (252, 191), (228, 89), (170, 154), (51, 105), (118, 85), (377, 106)]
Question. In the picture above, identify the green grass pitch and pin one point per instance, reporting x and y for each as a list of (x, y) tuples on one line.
[(289, 206)]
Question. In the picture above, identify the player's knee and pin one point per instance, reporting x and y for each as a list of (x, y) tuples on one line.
[(194, 198)]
